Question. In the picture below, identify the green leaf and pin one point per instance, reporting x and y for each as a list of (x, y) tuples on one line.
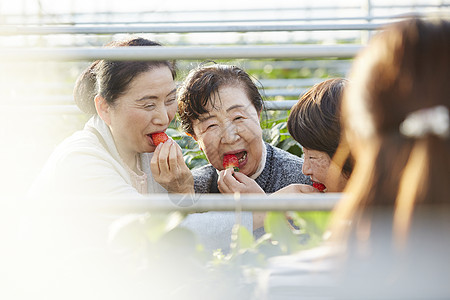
[(277, 224), (241, 238), (313, 224), (313, 221)]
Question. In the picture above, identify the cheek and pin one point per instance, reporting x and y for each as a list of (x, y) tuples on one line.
[(250, 131), (171, 111), (210, 145), (321, 166)]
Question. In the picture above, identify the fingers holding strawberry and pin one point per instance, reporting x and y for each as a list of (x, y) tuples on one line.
[(170, 170), (231, 181)]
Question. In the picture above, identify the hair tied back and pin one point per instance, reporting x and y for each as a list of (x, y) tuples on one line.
[(433, 120)]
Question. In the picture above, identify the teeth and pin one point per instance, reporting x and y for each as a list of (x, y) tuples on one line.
[(243, 157)]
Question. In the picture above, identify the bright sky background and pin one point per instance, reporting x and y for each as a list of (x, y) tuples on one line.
[(60, 6)]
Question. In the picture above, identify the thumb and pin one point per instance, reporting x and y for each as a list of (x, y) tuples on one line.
[(241, 177)]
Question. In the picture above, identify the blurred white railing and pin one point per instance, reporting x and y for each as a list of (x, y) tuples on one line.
[(200, 203), (366, 10), (182, 52), (183, 28)]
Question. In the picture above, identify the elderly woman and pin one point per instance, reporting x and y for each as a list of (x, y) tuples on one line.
[(115, 154), (220, 107)]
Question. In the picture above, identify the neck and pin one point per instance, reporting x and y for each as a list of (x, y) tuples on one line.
[(130, 159)]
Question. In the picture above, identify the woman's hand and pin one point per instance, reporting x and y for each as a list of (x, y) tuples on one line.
[(170, 170), (230, 182), (296, 188)]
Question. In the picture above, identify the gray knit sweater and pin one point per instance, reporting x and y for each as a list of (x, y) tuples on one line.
[(214, 228), (281, 169)]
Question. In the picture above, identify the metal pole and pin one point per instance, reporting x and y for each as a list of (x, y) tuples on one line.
[(204, 202), (182, 28), (188, 52)]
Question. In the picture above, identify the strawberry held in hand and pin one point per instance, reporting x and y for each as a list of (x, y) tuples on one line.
[(159, 137), (320, 186), (231, 161)]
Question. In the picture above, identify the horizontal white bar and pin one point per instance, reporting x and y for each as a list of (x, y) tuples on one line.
[(73, 109), (202, 203), (279, 105), (300, 8), (185, 52), (41, 20), (181, 28)]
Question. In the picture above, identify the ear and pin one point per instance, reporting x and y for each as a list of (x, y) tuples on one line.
[(103, 109)]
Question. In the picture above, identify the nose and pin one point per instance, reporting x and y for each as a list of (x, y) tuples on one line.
[(161, 116), (229, 134), (306, 168)]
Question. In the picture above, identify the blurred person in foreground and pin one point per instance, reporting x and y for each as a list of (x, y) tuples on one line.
[(390, 234)]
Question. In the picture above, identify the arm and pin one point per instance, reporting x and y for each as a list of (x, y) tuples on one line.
[(296, 188), (170, 170)]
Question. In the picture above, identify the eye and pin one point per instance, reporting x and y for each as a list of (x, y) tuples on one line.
[(210, 126), (171, 101), (149, 106)]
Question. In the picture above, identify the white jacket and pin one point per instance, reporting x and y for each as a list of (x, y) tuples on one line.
[(88, 164)]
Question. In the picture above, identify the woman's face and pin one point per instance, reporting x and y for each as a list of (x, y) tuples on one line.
[(319, 166), (232, 127), (148, 106)]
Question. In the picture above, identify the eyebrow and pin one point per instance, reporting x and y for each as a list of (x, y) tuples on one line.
[(204, 119), (149, 97), (234, 107)]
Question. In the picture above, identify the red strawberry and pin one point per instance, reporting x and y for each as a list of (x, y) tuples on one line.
[(231, 161), (320, 186), (159, 137)]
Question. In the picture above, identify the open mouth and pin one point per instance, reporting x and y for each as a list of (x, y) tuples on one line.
[(242, 156), (320, 186), (150, 138)]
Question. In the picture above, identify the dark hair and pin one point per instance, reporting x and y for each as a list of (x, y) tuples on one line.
[(314, 121), (204, 82), (110, 79)]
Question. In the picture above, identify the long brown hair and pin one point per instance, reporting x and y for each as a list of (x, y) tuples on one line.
[(405, 68)]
